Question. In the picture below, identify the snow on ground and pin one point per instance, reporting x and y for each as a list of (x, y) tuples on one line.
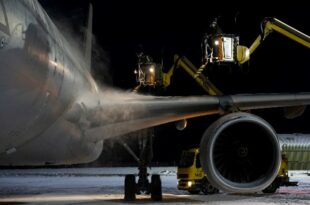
[(105, 186)]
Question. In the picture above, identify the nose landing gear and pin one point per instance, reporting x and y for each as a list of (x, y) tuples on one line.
[(143, 185)]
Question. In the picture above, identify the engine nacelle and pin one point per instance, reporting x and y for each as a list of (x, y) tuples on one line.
[(240, 153)]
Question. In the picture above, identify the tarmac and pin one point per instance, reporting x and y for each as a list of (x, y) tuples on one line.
[(105, 186)]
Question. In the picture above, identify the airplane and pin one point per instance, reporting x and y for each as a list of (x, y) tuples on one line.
[(52, 112)]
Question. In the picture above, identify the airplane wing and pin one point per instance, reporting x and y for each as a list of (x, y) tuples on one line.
[(118, 117)]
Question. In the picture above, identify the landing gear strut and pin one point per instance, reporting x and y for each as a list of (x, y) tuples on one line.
[(143, 185)]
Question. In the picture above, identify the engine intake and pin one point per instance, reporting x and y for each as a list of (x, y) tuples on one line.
[(240, 153)]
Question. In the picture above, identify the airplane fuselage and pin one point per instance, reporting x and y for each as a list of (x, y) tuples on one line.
[(41, 78)]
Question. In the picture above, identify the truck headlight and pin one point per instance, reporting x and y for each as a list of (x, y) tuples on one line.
[(152, 69)]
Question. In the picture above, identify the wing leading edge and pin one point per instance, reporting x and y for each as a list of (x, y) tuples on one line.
[(119, 118)]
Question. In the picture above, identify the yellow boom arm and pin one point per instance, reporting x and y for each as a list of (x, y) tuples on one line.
[(273, 24), (195, 73)]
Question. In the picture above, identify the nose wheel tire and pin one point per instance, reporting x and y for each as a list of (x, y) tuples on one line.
[(156, 192), (130, 188)]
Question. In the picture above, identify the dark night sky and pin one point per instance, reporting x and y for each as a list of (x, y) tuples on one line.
[(279, 65)]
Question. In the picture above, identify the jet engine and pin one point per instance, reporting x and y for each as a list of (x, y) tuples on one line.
[(240, 153)]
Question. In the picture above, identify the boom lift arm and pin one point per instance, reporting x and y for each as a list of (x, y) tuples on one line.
[(196, 74), (225, 48), (273, 24), (219, 48), (150, 74)]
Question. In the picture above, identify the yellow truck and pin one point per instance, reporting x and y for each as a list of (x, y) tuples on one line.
[(192, 178)]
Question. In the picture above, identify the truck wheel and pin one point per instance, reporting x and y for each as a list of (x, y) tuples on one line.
[(194, 191), (156, 192), (207, 188), (272, 188), (130, 188)]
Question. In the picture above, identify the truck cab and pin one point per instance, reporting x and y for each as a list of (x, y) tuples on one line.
[(191, 176)]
